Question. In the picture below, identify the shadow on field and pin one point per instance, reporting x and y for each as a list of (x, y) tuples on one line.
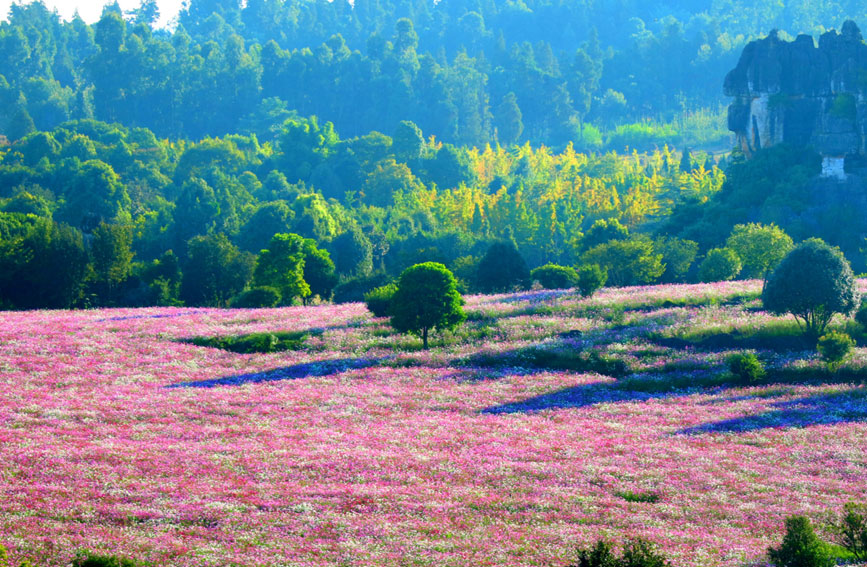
[(575, 397), (294, 372), (825, 409)]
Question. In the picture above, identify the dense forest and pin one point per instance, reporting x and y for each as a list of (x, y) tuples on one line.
[(142, 165)]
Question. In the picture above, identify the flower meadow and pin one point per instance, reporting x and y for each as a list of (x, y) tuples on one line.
[(544, 423)]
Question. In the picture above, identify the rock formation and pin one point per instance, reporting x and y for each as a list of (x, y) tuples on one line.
[(801, 94)]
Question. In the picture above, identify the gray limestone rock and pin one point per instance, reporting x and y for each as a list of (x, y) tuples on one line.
[(802, 94)]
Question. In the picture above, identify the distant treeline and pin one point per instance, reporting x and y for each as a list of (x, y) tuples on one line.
[(469, 72), (375, 203)]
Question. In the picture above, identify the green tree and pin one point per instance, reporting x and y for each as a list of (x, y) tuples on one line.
[(353, 253), (281, 266), (214, 271), (760, 247), (502, 268), (603, 231), (408, 142), (813, 282), (111, 257), (426, 299), (508, 120), (678, 255), (800, 546), (719, 264), (319, 270), (627, 262)]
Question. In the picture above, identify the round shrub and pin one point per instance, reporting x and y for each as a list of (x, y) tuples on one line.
[(263, 296), (591, 278), (747, 368), (813, 282), (378, 300), (720, 264), (834, 348), (552, 276)]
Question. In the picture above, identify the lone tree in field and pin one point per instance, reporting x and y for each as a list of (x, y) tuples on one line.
[(426, 298), (813, 282)]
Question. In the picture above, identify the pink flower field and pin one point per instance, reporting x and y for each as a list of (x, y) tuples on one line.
[(360, 449)]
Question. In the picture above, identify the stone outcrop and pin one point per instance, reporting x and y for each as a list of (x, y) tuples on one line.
[(803, 94)]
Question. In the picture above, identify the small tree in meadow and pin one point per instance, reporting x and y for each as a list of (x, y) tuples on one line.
[(426, 299), (591, 278), (834, 348), (800, 546), (813, 282), (720, 264)]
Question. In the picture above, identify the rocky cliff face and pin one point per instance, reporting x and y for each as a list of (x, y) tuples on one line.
[(803, 94)]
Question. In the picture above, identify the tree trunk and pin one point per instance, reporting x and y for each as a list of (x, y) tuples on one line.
[(424, 337)]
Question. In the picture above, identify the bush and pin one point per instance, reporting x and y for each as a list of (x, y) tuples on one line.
[(800, 547), (591, 278), (853, 530), (378, 300), (354, 289), (627, 262), (92, 560), (720, 264), (861, 314), (636, 553), (552, 276), (262, 296), (747, 368), (813, 282), (834, 348), (426, 298)]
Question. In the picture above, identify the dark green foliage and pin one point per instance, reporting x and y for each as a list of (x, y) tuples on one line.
[(42, 264), (853, 530), (636, 553), (353, 290), (214, 271), (678, 255), (502, 268), (552, 276), (319, 271), (281, 266), (639, 497), (747, 368), (378, 300), (834, 348), (591, 278), (603, 231), (426, 299), (277, 341), (96, 560), (353, 253), (813, 282), (111, 258), (800, 546), (262, 296), (719, 264), (861, 314)]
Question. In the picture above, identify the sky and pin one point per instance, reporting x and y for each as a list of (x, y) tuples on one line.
[(90, 10)]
